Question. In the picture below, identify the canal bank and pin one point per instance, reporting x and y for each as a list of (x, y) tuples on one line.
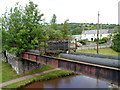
[(58, 79), (44, 76), (74, 81), (99, 73), (12, 65)]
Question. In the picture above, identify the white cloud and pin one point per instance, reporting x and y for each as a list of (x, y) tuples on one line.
[(74, 10)]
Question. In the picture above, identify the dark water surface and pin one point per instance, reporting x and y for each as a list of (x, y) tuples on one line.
[(74, 81)]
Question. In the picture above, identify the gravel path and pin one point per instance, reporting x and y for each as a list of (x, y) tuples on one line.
[(25, 77)]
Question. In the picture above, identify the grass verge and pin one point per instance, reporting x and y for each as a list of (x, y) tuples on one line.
[(103, 51), (0, 72), (8, 73), (47, 76), (12, 75)]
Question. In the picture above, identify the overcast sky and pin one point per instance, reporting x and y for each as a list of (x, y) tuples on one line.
[(80, 11)]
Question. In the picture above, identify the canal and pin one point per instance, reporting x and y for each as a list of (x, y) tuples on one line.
[(74, 81)]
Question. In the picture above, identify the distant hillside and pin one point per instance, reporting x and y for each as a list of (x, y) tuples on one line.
[(76, 28)]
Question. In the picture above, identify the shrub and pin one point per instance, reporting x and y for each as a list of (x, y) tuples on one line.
[(101, 41), (105, 39), (116, 41), (83, 41)]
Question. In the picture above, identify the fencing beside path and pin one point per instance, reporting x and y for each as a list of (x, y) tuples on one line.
[(93, 47)]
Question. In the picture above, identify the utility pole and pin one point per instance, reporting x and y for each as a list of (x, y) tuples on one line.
[(98, 33)]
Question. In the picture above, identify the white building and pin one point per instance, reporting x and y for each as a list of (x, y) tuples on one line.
[(92, 34)]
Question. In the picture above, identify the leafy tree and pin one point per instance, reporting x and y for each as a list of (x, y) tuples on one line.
[(53, 22), (0, 35), (54, 34), (116, 41), (101, 41), (65, 30), (56, 31), (20, 27)]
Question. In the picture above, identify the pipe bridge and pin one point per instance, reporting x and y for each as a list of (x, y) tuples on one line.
[(94, 70)]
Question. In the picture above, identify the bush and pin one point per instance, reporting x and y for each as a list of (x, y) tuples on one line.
[(83, 41), (95, 40), (101, 41), (116, 41), (105, 39)]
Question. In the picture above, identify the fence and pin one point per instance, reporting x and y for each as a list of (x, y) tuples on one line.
[(55, 46), (93, 47)]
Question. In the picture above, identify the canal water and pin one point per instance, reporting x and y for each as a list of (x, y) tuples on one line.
[(74, 81)]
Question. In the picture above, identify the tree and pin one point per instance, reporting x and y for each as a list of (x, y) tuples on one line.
[(0, 35), (116, 41), (54, 34), (65, 30), (53, 22), (20, 27), (57, 31)]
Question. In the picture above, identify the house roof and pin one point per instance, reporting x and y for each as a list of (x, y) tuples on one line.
[(101, 31)]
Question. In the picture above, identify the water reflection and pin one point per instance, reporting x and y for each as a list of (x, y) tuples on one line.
[(75, 81)]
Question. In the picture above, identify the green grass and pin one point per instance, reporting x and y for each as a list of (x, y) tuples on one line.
[(8, 73), (95, 45), (0, 72), (0, 50), (47, 76), (0, 41), (103, 51)]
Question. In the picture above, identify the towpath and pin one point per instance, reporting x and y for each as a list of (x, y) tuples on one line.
[(25, 77)]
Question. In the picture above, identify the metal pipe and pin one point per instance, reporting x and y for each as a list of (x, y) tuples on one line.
[(94, 60), (96, 55)]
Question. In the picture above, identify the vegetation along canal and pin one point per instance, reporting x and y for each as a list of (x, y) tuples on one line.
[(73, 81)]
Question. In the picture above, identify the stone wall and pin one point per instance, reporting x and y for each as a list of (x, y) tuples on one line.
[(21, 66)]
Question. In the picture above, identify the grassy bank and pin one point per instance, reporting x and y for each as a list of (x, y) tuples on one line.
[(0, 72), (104, 51), (47, 76), (12, 75)]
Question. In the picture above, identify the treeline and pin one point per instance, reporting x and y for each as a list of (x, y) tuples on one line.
[(23, 27), (77, 28)]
